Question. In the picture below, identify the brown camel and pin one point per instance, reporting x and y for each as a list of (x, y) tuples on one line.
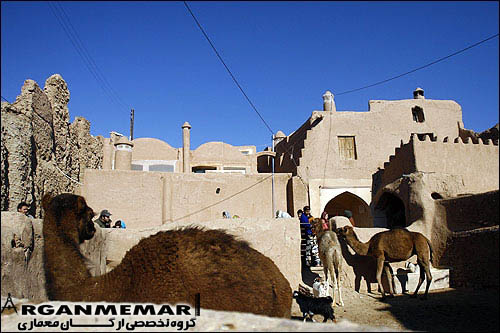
[(168, 267), (391, 246), (330, 254)]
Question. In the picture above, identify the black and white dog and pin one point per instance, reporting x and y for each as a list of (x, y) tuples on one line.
[(310, 306)]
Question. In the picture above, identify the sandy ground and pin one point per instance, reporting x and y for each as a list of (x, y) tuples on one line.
[(445, 310)]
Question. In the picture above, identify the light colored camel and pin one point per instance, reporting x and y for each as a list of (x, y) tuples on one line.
[(391, 246), (330, 254), (169, 267)]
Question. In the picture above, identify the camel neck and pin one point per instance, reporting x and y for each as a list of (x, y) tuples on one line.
[(64, 264), (358, 247)]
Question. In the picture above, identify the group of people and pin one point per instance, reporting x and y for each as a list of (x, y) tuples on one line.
[(104, 220), (311, 250)]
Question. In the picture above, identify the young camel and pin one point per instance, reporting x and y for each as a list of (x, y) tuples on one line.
[(168, 267), (330, 254), (391, 246)]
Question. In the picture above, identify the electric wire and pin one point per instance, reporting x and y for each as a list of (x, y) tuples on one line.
[(81, 50), (91, 59), (5, 99), (227, 68), (419, 68)]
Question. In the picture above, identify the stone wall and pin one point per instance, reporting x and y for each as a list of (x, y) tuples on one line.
[(41, 150), (26, 279), (477, 163), (147, 199), (473, 256), (472, 211)]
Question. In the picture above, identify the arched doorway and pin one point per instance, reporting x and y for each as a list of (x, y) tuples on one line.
[(358, 207), (389, 212)]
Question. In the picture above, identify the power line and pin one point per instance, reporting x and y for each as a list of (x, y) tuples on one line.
[(5, 99), (419, 68), (75, 40), (228, 70), (113, 91)]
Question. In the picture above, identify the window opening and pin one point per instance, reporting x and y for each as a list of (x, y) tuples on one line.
[(347, 148), (418, 114)]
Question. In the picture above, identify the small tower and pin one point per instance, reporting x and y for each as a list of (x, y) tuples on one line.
[(186, 143), (123, 154), (279, 137), (418, 93), (107, 155), (328, 102)]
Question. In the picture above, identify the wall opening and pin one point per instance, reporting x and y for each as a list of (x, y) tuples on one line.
[(202, 169), (418, 114), (390, 212), (436, 196), (348, 201)]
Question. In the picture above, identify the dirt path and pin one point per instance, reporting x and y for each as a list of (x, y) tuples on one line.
[(446, 310)]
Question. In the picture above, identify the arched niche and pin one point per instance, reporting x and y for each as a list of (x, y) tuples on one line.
[(389, 212), (358, 207)]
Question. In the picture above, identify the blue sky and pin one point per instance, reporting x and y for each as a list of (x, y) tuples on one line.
[(285, 55)]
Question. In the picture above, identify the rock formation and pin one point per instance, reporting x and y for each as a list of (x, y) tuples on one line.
[(40, 149)]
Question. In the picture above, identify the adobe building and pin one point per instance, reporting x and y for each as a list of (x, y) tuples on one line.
[(180, 184), (402, 163), (339, 155)]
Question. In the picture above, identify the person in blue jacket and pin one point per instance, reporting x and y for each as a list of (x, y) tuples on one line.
[(312, 257)]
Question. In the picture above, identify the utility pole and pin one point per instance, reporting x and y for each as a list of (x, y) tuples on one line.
[(131, 124)]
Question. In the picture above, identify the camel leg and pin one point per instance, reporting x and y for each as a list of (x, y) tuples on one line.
[(339, 287), (428, 277), (420, 279), (335, 287), (380, 267), (327, 278), (390, 278)]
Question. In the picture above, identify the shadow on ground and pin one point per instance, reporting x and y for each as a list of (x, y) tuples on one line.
[(457, 310)]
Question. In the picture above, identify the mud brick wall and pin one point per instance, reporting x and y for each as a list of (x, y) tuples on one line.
[(473, 257), (472, 211)]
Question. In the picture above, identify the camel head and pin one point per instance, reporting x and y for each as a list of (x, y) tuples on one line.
[(71, 216), (316, 225), (345, 231)]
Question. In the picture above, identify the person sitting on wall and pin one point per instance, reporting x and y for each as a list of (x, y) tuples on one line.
[(226, 215), (119, 224), (27, 239), (282, 214), (324, 220), (104, 220), (23, 208)]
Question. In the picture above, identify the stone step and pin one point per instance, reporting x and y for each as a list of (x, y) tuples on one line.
[(407, 280)]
